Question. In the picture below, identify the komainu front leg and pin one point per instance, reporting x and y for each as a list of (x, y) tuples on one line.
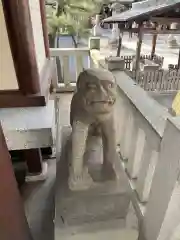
[(109, 148), (79, 178)]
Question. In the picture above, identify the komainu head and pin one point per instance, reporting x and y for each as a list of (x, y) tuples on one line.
[(97, 88)]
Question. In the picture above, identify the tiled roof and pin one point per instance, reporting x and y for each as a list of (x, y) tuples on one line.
[(144, 9)]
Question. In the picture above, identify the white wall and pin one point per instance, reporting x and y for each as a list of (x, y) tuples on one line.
[(37, 32), (8, 79)]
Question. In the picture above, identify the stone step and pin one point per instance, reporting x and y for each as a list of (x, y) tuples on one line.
[(114, 229)]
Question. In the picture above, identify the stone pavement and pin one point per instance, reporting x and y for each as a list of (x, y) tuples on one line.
[(170, 55)]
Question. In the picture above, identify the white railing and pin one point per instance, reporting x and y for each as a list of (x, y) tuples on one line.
[(69, 63), (148, 148)]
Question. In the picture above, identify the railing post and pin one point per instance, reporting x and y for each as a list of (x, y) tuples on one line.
[(136, 147), (163, 208), (148, 164), (94, 43), (13, 223)]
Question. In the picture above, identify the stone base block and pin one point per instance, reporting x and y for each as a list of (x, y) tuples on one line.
[(105, 200), (40, 177), (115, 63)]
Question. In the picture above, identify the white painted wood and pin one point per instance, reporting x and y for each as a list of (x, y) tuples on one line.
[(146, 172), (165, 177), (143, 102), (55, 76), (62, 88), (135, 160), (55, 52), (66, 71), (31, 127), (79, 65), (98, 59), (148, 161), (127, 131), (171, 226), (131, 218), (65, 54), (120, 117)]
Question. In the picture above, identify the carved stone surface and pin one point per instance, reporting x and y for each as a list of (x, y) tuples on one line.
[(92, 109)]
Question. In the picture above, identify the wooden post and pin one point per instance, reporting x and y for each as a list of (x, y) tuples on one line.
[(138, 48), (179, 60), (13, 223), (33, 159), (44, 27), (20, 33), (154, 41)]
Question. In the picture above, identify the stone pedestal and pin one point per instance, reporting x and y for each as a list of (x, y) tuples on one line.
[(105, 200)]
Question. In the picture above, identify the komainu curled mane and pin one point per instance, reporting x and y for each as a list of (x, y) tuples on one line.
[(91, 112)]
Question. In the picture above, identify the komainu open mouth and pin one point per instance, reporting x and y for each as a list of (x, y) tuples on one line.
[(111, 102)]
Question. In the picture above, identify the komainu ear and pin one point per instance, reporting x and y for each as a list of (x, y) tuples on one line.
[(81, 81)]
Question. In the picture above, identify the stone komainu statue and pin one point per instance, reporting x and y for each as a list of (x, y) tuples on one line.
[(91, 110)]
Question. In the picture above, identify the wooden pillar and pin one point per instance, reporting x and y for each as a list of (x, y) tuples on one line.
[(154, 41), (44, 27), (119, 45), (138, 48), (13, 223), (33, 159), (20, 33), (179, 60)]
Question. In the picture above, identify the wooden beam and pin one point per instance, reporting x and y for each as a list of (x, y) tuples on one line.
[(13, 223), (11, 99), (44, 27), (152, 31), (138, 48), (161, 20), (20, 33)]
